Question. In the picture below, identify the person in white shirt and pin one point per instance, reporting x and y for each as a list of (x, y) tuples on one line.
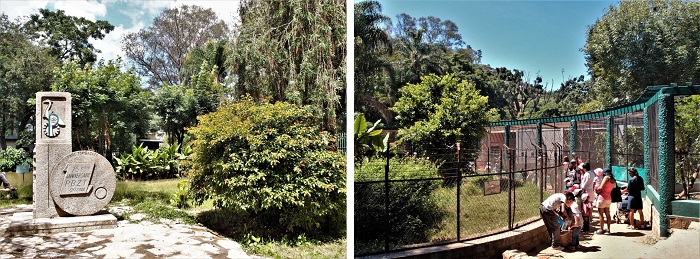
[(575, 227), (549, 209)]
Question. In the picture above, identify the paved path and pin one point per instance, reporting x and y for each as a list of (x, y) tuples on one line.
[(128, 240), (628, 243)]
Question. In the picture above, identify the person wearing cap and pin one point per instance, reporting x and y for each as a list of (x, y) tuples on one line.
[(605, 199), (635, 186), (549, 209)]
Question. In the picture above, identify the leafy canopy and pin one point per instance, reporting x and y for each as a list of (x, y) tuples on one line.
[(293, 51), (269, 160), (25, 68), (643, 43), (68, 36), (108, 105), (440, 111)]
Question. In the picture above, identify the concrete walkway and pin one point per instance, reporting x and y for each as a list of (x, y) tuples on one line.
[(128, 240), (629, 243)]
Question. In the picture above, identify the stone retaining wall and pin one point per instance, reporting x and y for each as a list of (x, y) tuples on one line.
[(524, 238)]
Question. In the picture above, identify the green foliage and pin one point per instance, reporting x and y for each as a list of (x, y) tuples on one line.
[(413, 214), (68, 36), (12, 157), (368, 140), (440, 111), (213, 54), (144, 164), (180, 198), (108, 105), (179, 106), (687, 134), (643, 43), (272, 161), (299, 247), (372, 45), (25, 68), (293, 51)]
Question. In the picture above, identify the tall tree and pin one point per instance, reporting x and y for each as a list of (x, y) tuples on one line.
[(293, 51), (159, 51), (372, 44), (108, 105), (25, 68), (643, 43), (68, 36), (441, 110)]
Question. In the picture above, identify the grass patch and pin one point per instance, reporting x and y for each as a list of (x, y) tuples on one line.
[(257, 237), (479, 213), (299, 248)]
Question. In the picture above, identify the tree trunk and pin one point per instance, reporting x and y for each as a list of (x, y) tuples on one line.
[(383, 110), (3, 142)]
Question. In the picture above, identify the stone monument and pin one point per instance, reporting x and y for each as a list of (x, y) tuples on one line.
[(66, 183), (53, 142), (70, 188)]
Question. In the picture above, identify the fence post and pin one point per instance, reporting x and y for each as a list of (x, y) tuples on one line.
[(459, 189), (387, 229), (667, 162), (506, 145), (538, 152), (608, 141), (572, 138), (512, 187)]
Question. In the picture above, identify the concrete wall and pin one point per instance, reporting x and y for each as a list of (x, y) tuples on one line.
[(651, 214), (524, 238)]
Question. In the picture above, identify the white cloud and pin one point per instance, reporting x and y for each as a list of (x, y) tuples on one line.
[(111, 46), (83, 8), (17, 8), (140, 12)]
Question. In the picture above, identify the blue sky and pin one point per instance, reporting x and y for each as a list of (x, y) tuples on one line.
[(127, 16), (532, 36)]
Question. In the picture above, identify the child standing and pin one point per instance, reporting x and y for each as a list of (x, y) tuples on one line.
[(576, 222)]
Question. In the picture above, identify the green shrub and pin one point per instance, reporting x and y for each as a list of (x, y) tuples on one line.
[(272, 161), (144, 164), (12, 157), (413, 214)]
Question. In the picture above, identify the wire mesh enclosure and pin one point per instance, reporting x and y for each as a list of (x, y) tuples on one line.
[(417, 198), (405, 201)]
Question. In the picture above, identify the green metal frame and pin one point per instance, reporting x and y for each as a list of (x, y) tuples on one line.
[(664, 94)]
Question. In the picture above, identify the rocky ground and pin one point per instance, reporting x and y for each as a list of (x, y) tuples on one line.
[(129, 240)]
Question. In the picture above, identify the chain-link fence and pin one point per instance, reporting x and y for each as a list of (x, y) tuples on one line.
[(428, 197)]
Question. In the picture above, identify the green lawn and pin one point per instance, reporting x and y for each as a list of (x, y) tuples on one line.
[(480, 213), (153, 198)]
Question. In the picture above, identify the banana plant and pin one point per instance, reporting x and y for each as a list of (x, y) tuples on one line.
[(368, 139)]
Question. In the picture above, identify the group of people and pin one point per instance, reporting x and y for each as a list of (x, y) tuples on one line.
[(572, 209)]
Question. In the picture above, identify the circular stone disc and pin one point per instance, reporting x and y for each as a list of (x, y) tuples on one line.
[(82, 183)]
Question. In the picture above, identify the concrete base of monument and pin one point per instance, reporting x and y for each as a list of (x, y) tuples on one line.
[(23, 224)]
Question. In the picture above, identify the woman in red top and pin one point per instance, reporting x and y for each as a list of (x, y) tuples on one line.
[(604, 199)]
